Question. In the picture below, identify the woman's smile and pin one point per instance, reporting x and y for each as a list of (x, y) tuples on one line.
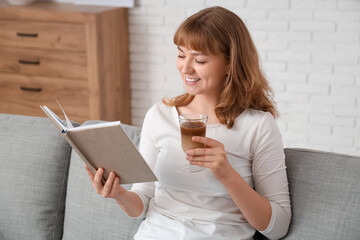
[(191, 81)]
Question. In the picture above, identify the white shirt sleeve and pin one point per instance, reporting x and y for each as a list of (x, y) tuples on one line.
[(149, 152), (269, 175)]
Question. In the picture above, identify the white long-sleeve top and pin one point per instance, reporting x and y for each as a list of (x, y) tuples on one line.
[(195, 205)]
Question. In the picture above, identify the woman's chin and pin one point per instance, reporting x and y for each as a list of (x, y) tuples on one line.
[(191, 92)]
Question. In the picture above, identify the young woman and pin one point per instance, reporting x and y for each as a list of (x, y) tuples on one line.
[(244, 185)]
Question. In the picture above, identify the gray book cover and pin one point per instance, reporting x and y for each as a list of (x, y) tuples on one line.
[(105, 145)]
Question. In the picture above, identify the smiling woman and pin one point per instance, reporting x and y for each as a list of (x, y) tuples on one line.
[(213, 34), (243, 186)]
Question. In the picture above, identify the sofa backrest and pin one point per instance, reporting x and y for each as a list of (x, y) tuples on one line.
[(34, 160), (325, 195)]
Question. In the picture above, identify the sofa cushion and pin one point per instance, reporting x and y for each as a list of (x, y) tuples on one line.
[(34, 161), (87, 214), (325, 195)]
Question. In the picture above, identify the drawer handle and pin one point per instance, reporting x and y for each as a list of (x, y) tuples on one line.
[(33, 35), (29, 62), (31, 89)]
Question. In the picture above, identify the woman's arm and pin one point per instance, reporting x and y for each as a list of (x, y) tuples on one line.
[(255, 208), (267, 207)]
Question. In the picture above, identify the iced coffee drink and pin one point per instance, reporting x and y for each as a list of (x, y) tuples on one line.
[(192, 125)]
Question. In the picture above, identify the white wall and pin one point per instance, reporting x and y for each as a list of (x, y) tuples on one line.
[(310, 51)]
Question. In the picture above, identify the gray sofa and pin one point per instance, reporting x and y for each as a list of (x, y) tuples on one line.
[(45, 192)]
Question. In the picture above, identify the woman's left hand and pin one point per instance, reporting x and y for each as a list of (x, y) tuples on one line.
[(212, 157)]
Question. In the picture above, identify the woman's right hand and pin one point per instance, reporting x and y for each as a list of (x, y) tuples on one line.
[(111, 188)]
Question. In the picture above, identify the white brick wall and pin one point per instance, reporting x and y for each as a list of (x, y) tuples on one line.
[(310, 51)]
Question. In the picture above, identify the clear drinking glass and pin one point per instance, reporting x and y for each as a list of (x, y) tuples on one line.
[(193, 124)]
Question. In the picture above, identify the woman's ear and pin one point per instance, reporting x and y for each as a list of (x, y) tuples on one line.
[(228, 72)]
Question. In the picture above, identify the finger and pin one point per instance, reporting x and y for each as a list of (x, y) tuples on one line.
[(209, 142), (200, 151), (200, 158), (116, 182), (117, 187), (91, 175), (201, 163), (108, 184), (98, 176)]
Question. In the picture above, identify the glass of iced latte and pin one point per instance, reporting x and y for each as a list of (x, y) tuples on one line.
[(192, 125)]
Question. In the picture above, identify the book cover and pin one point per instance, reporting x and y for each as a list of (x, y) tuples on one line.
[(105, 145)]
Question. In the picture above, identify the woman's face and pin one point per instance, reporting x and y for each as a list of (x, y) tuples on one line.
[(202, 74)]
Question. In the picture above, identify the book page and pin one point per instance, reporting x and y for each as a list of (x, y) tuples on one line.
[(54, 118), (68, 122), (95, 125)]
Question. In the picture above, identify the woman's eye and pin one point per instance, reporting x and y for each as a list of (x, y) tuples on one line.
[(181, 56), (200, 62)]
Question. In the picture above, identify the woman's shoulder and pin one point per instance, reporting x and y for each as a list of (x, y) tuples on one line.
[(256, 115), (252, 119), (159, 108)]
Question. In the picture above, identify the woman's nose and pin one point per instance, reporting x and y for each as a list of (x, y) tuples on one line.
[(186, 67)]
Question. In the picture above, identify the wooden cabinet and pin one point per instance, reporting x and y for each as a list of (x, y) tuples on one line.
[(77, 54)]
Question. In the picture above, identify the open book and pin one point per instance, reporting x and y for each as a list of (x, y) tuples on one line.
[(105, 145)]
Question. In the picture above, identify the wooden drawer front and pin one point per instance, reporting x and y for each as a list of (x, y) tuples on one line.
[(24, 95), (43, 35), (42, 62)]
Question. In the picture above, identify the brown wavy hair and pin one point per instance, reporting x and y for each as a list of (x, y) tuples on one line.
[(217, 30)]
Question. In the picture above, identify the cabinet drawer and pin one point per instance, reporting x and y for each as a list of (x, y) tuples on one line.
[(43, 62), (23, 95), (43, 35)]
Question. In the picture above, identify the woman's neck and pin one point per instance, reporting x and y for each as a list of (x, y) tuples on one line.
[(201, 104)]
